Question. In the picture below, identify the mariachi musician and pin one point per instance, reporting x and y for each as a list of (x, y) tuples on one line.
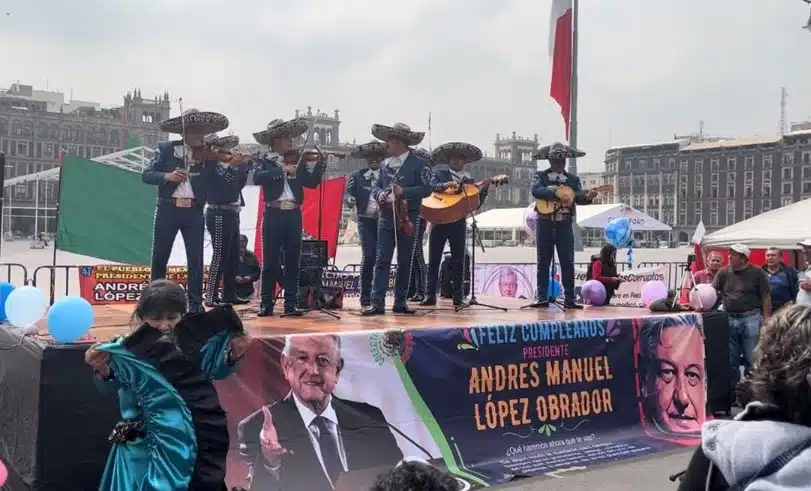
[(416, 285), (282, 184), (456, 155), (359, 196), (404, 181), (225, 202), (555, 230), (182, 171)]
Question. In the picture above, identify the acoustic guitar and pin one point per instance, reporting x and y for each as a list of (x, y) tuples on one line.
[(563, 193), (455, 204)]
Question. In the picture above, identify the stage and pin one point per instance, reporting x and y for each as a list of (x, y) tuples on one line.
[(490, 395)]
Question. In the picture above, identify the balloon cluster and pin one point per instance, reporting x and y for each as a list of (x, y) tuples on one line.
[(68, 319), (618, 232)]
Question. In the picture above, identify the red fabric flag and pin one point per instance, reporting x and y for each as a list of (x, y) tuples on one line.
[(332, 208), (560, 53), (330, 221)]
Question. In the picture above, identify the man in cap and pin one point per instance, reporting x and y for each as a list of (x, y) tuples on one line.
[(359, 196), (456, 155), (555, 231), (746, 297), (416, 284), (222, 221), (281, 224), (181, 172), (403, 176)]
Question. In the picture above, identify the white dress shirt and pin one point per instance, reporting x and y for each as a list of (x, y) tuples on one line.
[(371, 207), (287, 194), (308, 416), (394, 163), (184, 189)]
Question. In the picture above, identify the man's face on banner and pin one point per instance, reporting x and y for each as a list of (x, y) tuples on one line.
[(508, 284), (679, 380), (312, 369)]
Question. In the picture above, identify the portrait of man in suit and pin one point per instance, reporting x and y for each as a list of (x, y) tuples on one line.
[(308, 439)]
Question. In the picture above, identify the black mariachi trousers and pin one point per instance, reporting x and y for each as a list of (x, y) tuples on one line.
[(281, 231), (454, 234), (416, 285), (169, 220), (223, 227)]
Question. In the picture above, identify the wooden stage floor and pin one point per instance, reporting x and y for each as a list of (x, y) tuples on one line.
[(113, 320)]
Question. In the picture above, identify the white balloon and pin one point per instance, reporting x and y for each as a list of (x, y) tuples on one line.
[(26, 305)]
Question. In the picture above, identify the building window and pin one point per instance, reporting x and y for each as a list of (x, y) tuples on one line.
[(732, 163), (786, 200), (749, 163), (714, 178), (730, 177), (787, 188), (748, 176), (766, 205), (807, 172), (671, 163), (767, 175), (788, 158), (682, 217), (683, 166), (627, 165), (713, 218), (657, 164), (714, 205), (806, 158), (767, 161), (747, 190), (731, 190), (767, 189), (714, 166), (806, 187), (788, 173), (748, 207), (714, 191), (22, 149)]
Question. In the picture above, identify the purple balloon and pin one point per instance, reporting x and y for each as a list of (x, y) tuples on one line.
[(653, 291), (530, 219), (593, 293), (703, 297)]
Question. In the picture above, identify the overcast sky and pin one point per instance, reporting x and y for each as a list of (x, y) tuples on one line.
[(648, 68)]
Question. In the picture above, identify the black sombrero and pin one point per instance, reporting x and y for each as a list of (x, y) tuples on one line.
[(369, 150), (279, 128), (398, 130), (557, 151), (206, 121), (423, 154), (226, 142), (456, 150)]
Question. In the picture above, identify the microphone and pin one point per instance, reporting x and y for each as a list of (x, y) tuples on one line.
[(409, 439)]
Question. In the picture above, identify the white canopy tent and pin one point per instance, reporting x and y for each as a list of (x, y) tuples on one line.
[(591, 216), (782, 228)]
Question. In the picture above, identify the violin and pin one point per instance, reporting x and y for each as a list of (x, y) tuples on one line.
[(292, 157), (210, 152), (402, 222)]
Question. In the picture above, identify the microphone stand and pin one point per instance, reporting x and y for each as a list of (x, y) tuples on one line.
[(474, 228)]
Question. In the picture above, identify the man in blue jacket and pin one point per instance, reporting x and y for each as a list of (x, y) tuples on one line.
[(281, 224), (181, 173), (403, 176), (359, 196), (555, 231), (223, 207), (456, 155)]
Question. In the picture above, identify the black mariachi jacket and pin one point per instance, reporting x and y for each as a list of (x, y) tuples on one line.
[(269, 174), (359, 187), (415, 177), (165, 161)]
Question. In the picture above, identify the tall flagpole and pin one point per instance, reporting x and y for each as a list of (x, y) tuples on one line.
[(573, 103)]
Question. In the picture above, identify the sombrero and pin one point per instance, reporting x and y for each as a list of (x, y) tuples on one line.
[(423, 154), (208, 122), (557, 151), (369, 150), (398, 130), (226, 142), (280, 128), (456, 150)]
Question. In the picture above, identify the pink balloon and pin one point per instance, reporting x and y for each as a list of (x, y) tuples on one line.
[(703, 297), (653, 291), (593, 293), (3, 473)]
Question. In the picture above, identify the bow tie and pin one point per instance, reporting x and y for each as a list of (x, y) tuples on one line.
[(557, 176), (371, 174)]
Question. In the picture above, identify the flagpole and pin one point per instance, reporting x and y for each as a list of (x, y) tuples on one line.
[(573, 103), (430, 148), (56, 236)]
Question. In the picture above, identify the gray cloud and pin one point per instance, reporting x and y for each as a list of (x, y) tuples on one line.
[(648, 69)]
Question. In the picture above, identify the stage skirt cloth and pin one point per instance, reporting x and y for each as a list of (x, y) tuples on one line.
[(174, 435)]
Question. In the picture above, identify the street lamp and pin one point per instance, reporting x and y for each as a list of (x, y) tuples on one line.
[(808, 24)]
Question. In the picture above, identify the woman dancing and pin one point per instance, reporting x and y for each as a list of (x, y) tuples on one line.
[(173, 435)]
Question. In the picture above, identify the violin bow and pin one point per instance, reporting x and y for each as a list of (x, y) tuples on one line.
[(308, 137), (183, 135)]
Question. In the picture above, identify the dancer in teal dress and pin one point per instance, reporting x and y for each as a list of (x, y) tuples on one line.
[(173, 435)]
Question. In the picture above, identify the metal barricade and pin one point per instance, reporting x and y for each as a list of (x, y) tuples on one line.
[(16, 273), (52, 283)]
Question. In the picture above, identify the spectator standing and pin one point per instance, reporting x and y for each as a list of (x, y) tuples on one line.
[(746, 297), (707, 275), (783, 280), (804, 295)]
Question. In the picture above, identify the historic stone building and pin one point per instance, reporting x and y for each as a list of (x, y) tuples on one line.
[(36, 124)]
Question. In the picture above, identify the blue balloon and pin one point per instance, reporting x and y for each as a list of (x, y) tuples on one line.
[(618, 232), (69, 319), (5, 290), (553, 290)]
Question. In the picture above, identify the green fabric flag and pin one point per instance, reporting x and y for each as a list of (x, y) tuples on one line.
[(133, 142), (105, 212)]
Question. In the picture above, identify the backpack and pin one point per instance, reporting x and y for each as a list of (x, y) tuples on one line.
[(589, 272)]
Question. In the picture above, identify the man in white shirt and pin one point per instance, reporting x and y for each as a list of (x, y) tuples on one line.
[(181, 172), (308, 439)]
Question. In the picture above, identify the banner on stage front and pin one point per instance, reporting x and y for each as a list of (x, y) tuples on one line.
[(520, 281), (515, 400)]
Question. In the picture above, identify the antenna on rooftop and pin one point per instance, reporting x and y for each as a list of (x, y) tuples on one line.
[(781, 130)]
